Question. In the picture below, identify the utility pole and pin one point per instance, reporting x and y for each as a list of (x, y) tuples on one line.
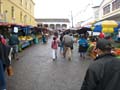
[(72, 19), (0, 7)]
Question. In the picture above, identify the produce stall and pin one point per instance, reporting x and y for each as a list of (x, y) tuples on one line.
[(109, 27), (37, 32), (25, 37)]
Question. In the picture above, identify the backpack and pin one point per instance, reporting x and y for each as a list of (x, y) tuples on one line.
[(83, 43), (68, 41), (13, 40), (54, 44)]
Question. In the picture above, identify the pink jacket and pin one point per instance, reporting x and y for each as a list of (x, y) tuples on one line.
[(54, 44)]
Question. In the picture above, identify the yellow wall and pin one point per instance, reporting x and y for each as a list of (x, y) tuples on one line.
[(7, 5)]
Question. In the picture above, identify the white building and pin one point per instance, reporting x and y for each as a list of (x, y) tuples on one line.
[(109, 10), (54, 24)]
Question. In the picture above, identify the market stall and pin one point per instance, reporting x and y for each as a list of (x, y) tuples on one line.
[(37, 32), (109, 27), (25, 37)]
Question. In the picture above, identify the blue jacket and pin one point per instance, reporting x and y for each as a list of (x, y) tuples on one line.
[(83, 42)]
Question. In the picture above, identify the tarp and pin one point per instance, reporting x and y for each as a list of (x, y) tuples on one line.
[(83, 30)]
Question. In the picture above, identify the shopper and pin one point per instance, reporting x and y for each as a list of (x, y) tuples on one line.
[(14, 42), (4, 63), (104, 72), (61, 43), (2, 77), (54, 46), (67, 42), (83, 46), (44, 39), (101, 35)]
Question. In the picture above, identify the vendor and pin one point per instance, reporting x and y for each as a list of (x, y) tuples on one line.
[(101, 35)]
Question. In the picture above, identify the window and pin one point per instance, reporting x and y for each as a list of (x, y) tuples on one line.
[(106, 9), (12, 12), (26, 4), (21, 1), (20, 16), (30, 7), (25, 19), (115, 4), (30, 20)]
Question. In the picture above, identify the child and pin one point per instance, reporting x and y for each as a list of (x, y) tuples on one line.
[(54, 46)]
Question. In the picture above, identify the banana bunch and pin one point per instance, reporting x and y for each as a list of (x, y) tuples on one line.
[(29, 38), (22, 37), (25, 38)]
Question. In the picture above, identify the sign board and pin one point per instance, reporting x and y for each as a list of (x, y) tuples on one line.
[(16, 29)]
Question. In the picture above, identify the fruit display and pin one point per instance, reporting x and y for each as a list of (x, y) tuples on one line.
[(91, 50), (116, 51), (28, 38)]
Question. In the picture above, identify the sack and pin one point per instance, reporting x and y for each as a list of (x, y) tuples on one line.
[(10, 71)]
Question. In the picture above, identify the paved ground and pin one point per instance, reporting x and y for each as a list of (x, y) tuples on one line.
[(36, 71)]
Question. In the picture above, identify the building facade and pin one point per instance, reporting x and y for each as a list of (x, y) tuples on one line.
[(109, 10), (17, 11), (54, 24)]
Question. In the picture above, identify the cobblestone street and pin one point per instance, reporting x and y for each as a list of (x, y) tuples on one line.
[(37, 71)]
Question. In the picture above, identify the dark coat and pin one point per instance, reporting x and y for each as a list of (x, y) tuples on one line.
[(13, 40), (103, 74), (4, 53)]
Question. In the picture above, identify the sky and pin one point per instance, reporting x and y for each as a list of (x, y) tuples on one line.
[(79, 9)]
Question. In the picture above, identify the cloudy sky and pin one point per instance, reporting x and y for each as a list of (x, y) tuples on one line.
[(62, 8)]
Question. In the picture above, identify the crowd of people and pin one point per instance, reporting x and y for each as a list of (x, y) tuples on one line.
[(103, 73), (66, 43)]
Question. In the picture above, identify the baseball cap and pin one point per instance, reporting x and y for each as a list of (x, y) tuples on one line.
[(104, 44)]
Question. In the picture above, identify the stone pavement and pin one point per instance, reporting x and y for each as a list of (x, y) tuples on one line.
[(37, 71)]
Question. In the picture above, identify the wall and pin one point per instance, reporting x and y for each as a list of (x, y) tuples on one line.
[(19, 7)]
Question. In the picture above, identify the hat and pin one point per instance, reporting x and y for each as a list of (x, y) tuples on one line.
[(104, 44)]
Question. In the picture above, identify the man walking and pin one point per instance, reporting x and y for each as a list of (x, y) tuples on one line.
[(13, 42), (67, 42)]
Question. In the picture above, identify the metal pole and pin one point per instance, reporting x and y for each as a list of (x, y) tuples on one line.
[(72, 19)]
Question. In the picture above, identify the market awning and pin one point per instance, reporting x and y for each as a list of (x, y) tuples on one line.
[(4, 24), (83, 30), (107, 26), (107, 23)]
